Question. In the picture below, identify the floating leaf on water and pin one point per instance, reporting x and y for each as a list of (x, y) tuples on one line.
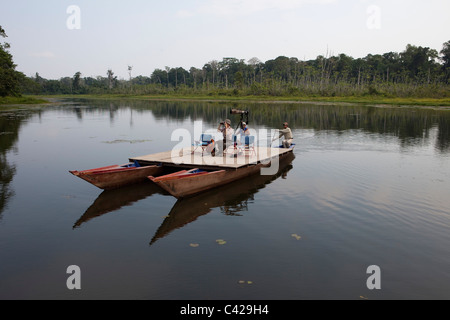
[(245, 282), (249, 282), (296, 236), (221, 241), (194, 245), (362, 297)]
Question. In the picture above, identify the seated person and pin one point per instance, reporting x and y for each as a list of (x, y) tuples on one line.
[(287, 134)]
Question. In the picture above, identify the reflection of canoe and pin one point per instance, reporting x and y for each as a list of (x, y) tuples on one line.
[(231, 198), (111, 200), (187, 183), (116, 176)]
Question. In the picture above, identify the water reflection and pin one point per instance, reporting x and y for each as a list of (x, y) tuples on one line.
[(410, 125), (10, 123), (112, 200), (354, 192), (232, 199), (443, 136)]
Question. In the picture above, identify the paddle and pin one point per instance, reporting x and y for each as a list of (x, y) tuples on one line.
[(274, 138)]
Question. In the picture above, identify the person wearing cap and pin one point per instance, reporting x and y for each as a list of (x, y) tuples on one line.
[(287, 134), (245, 131), (227, 131)]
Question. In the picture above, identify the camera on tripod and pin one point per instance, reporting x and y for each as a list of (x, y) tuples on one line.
[(237, 111), (244, 117)]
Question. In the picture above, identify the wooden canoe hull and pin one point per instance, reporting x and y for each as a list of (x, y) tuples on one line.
[(190, 185), (116, 176), (182, 185)]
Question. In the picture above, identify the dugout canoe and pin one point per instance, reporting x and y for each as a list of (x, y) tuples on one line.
[(116, 176), (186, 183)]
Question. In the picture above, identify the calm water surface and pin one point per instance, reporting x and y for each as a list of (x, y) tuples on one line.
[(368, 186)]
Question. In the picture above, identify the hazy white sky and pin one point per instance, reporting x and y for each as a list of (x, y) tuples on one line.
[(45, 38)]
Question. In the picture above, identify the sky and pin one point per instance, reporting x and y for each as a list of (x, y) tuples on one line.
[(58, 38)]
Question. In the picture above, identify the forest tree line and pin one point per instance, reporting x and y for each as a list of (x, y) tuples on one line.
[(417, 71)]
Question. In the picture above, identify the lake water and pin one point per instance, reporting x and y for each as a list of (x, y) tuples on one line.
[(368, 186)]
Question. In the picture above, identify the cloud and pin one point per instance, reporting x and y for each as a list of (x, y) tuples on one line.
[(247, 7)]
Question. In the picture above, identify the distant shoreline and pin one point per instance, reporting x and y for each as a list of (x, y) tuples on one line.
[(441, 104)]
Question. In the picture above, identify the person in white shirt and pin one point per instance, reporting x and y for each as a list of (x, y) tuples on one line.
[(245, 131), (227, 131)]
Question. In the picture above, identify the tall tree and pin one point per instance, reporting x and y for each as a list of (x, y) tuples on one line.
[(445, 58), (418, 61), (214, 66), (76, 82), (445, 52), (111, 78), (167, 70), (130, 68), (9, 77), (160, 76), (254, 63)]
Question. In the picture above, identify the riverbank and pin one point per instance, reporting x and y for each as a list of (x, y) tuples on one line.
[(443, 103), (28, 100), (372, 100)]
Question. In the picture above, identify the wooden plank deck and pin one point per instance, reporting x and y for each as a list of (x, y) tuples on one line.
[(187, 158)]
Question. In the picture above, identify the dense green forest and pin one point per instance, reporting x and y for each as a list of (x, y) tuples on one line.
[(10, 79), (419, 72), (415, 72)]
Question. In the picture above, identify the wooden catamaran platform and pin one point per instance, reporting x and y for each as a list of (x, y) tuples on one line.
[(231, 160), (189, 171)]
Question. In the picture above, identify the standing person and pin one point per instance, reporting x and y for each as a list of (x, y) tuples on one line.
[(287, 134), (227, 131)]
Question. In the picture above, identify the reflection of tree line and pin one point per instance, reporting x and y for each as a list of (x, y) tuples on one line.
[(9, 133), (406, 124), (161, 109), (443, 136)]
